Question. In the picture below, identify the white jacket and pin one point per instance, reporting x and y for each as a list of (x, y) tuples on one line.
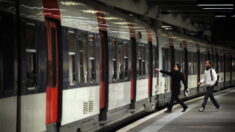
[(207, 77)]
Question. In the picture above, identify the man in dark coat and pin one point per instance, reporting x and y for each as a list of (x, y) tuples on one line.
[(176, 77)]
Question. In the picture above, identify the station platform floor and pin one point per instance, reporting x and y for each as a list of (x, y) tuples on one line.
[(192, 120)]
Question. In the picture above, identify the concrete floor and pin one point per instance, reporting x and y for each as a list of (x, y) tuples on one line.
[(192, 120)]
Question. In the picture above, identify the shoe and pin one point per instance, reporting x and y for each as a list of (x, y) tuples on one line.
[(217, 109), (201, 109), (167, 111), (185, 109)]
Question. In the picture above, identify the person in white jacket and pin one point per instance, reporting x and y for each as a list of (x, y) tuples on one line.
[(210, 78)]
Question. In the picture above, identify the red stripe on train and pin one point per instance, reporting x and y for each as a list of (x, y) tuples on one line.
[(132, 35), (51, 9), (102, 27), (51, 105), (150, 40)]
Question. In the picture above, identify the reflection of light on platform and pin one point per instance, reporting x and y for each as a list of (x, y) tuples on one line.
[(71, 3)]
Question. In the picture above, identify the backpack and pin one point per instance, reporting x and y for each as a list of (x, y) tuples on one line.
[(216, 83)]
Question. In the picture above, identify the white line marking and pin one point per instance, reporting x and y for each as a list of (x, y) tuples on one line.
[(157, 125)]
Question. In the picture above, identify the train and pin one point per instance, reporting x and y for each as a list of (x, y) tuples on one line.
[(72, 66)]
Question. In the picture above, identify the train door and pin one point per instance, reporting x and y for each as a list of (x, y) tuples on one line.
[(104, 74), (51, 31), (8, 70)]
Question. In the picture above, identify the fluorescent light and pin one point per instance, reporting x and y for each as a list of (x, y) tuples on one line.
[(165, 26), (212, 8), (220, 16), (233, 16), (214, 4)]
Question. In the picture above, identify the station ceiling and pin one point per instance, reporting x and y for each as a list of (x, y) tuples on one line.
[(218, 16)]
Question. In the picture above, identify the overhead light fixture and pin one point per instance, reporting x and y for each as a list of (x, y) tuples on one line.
[(217, 8), (220, 16), (214, 4), (233, 16), (166, 26)]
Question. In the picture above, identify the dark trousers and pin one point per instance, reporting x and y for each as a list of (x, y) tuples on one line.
[(209, 93), (175, 98)]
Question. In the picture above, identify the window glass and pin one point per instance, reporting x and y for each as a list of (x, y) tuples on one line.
[(202, 61), (83, 50), (126, 72), (52, 69), (179, 58), (119, 60), (91, 62), (142, 60), (165, 60), (113, 53), (31, 58), (139, 60), (1, 70), (155, 59), (72, 59), (87, 51), (233, 65)]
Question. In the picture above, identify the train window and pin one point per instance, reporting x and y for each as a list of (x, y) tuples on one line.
[(91, 62), (119, 58), (114, 59), (142, 60), (196, 63), (31, 56), (52, 69), (126, 73), (202, 61), (7, 54), (72, 58), (228, 64), (1, 71), (87, 58), (189, 63), (222, 63), (165, 60), (82, 41), (155, 59), (139, 60), (179, 58), (233, 65)]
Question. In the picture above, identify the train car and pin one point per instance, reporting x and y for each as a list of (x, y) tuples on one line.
[(66, 65), (8, 66)]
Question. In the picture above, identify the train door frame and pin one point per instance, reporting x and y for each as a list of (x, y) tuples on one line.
[(186, 62), (53, 90), (150, 72), (199, 66), (231, 71), (104, 75), (133, 73), (224, 60)]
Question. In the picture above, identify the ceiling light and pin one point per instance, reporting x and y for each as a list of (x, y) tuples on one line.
[(220, 16), (218, 8), (214, 4), (233, 16), (165, 26)]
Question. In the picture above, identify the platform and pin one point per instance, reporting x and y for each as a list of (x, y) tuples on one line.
[(192, 120)]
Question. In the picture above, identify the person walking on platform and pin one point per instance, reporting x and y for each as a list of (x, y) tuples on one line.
[(210, 79), (176, 76)]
